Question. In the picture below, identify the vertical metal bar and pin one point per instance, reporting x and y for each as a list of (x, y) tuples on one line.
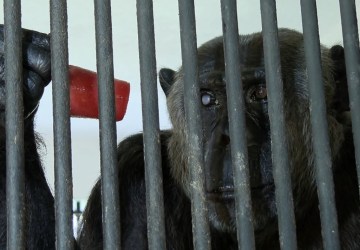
[(319, 126), (352, 59), (280, 158), (201, 234), (15, 172), (237, 126), (109, 170), (62, 136), (150, 112)]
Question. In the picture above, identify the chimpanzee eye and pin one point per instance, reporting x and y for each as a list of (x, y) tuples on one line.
[(208, 99), (257, 93)]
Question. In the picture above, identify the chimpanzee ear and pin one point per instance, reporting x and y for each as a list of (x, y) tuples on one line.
[(337, 54), (166, 78), (341, 95)]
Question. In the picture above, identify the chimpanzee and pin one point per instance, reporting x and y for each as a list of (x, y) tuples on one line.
[(219, 185), (39, 201), (218, 170)]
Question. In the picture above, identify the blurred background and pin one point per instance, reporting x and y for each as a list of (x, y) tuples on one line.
[(85, 132)]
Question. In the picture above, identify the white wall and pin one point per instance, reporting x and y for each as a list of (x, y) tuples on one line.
[(35, 15)]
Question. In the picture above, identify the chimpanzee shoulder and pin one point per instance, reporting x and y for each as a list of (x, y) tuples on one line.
[(133, 194), (132, 191)]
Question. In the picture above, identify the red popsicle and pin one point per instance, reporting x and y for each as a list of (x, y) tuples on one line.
[(84, 94)]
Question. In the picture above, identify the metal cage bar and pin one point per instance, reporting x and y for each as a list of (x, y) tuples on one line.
[(280, 157), (150, 113), (352, 61), (62, 134), (237, 126), (201, 234), (324, 178), (15, 172), (15, 195), (108, 144)]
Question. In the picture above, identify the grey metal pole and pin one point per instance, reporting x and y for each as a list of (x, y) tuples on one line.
[(324, 178), (14, 115), (150, 113), (108, 154), (280, 157), (201, 229), (352, 59), (237, 126), (62, 135)]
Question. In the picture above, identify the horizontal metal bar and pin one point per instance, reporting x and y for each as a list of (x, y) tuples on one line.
[(237, 126), (319, 126), (62, 137), (201, 234), (15, 172), (108, 153), (150, 114), (280, 157)]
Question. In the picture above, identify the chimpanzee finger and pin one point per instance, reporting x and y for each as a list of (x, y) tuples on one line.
[(38, 60), (29, 36), (33, 87), (37, 57), (36, 52), (36, 38), (33, 90)]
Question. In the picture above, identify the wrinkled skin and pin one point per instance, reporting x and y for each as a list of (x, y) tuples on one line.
[(219, 185), (39, 202)]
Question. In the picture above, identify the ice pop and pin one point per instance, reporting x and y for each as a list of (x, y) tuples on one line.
[(84, 94)]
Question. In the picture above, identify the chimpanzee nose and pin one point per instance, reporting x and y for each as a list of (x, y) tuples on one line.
[(225, 140)]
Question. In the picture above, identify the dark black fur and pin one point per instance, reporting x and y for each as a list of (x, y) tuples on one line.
[(218, 167), (219, 182), (39, 202), (177, 206)]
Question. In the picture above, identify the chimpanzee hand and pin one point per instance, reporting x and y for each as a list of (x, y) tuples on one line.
[(36, 68)]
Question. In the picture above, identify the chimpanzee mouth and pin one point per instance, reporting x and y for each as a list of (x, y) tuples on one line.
[(225, 193), (264, 186)]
